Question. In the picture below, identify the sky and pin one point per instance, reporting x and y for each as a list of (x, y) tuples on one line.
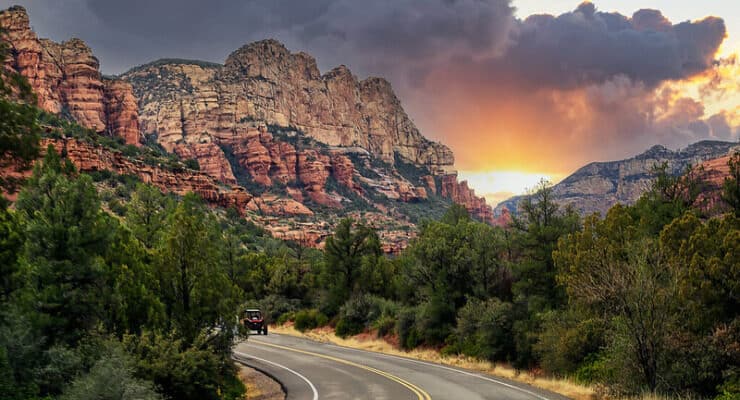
[(519, 90)]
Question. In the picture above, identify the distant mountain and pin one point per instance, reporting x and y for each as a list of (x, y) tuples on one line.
[(600, 185)]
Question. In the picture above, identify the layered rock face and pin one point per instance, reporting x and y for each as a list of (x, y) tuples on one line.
[(265, 84), (600, 185), (264, 81), (460, 193), (714, 172), (66, 79), (88, 158), (266, 119)]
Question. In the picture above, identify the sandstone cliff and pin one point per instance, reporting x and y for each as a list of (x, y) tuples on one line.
[(600, 185), (264, 81), (89, 158), (184, 103), (267, 120), (66, 79)]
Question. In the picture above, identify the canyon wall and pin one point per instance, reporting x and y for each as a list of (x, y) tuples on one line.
[(66, 79)]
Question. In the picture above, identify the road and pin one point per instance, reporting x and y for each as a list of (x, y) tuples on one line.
[(312, 370)]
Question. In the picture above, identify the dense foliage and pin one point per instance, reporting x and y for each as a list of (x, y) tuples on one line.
[(641, 299)]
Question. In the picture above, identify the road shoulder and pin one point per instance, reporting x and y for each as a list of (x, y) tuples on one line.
[(259, 386)]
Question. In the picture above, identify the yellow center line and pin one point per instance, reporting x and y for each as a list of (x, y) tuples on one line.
[(420, 393)]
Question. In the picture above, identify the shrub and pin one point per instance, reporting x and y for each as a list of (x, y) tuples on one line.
[(406, 328), (285, 317), (310, 319), (111, 377), (273, 306), (193, 164), (484, 330), (347, 327), (384, 325), (117, 207)]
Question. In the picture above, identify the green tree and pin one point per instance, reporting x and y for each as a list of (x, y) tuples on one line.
[(344, 253), (145, 214), (623, 277), (196, 291), (541, 224), (11, 243), (66, 238)]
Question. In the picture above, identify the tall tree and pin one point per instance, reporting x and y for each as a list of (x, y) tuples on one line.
[(146, 213), (344, 252), (66, 238), (611, 269), (197, 293)]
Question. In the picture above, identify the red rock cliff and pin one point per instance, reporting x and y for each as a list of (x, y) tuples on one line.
[(66, 78)]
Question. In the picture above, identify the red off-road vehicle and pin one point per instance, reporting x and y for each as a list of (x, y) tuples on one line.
[(254, 321)]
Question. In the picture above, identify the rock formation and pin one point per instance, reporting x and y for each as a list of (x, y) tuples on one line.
[(460, 193), (264, 81), (89, 158), (600, 185), (66, 79), (266, 119)]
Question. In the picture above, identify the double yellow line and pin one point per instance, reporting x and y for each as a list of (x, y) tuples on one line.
[(420, 393)]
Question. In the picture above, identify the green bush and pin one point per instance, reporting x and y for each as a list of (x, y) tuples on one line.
[(111, 378), (346, 328), (310, 319), (484, 330), (384, 325), (274, 306), (408, 336), (285, 317), (193, 164), (117, 207)]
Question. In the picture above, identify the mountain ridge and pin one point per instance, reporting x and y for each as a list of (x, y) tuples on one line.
[(598, 185)]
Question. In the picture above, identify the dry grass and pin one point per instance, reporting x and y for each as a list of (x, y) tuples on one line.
[(372, 343), (259, 386)]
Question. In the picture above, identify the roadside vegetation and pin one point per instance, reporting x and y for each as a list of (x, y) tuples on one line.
[(641, 301)]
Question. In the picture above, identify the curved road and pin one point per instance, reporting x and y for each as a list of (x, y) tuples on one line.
[(312, 370)]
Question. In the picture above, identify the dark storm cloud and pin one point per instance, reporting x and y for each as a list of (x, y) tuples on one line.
[(402, 39), (587, 46)]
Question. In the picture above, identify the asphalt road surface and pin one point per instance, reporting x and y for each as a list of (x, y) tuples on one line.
[(312, 370)]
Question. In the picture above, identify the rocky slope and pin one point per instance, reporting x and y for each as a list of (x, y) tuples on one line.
[(306, 149), (66, 79), (600, 185)]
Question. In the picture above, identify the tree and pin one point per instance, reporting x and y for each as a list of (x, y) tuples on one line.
[(541, 224), (66, 238), (610, 269), (145, 214), (11, 243), (195, 290), (343, 254)]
